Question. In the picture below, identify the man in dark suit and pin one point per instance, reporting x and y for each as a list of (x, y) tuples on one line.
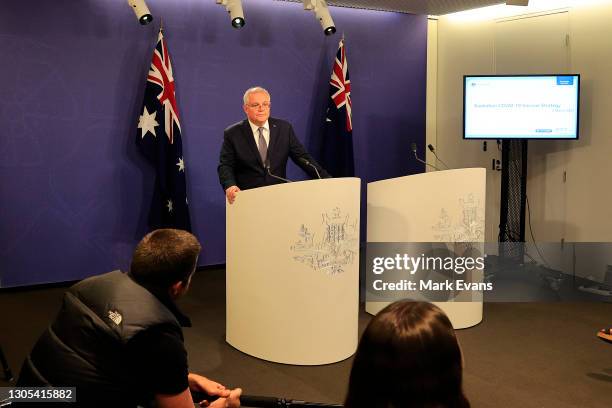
[(257, 148)]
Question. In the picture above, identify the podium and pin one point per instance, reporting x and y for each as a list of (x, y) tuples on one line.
[(292, 280), (441, 206)]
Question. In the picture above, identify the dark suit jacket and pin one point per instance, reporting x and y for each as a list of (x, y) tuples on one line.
[(241, 165)]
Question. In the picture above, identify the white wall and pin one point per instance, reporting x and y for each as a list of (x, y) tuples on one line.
[(462, 49), (576, 40)]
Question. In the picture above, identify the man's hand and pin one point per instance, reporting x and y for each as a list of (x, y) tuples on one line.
[(209, 387), (224, 397), (231, 192), (232, 401)]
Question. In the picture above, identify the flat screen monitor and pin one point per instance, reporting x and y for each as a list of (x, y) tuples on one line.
[(521, 106)]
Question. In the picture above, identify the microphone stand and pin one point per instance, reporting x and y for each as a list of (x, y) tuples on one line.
[(431, 149), (276, 177), (424, 162), (306, 162)]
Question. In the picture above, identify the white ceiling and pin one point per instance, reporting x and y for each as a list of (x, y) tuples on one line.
[(433, 7)]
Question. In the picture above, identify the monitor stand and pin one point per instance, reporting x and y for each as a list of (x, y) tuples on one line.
[(513, 198)]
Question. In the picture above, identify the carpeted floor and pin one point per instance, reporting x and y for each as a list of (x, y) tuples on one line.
[(522, 354)]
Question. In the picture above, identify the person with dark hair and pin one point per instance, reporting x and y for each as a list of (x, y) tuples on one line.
[(408, 357), (118, 337)]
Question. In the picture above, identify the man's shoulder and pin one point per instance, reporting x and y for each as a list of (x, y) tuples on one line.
[(235, 127), (280, 124)]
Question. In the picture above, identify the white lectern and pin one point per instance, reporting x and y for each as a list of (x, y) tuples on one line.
[(293, 271), (441, 206)]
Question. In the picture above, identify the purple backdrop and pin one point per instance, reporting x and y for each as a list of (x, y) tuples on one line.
[(75, 192)]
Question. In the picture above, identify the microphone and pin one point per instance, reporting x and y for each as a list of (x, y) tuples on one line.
[(272, 402), (266, 402), (431, 149), (413, 146), (267, 166), (307, 163)]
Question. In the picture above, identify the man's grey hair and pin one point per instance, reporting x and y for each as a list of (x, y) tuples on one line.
[(255, 89)]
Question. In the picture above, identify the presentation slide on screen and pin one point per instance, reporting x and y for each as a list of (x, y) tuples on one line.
[(521, 107)]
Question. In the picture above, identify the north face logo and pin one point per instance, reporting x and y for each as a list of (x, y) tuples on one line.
[(115, 317)]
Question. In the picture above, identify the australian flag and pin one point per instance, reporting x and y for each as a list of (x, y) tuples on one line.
[(159, 139), (337, 145)]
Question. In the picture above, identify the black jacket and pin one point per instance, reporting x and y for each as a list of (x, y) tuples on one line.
[(85, 346), (240, 163)]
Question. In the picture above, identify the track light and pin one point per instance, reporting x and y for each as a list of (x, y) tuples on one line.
[(322, 14), (234, 8), (141, 10)]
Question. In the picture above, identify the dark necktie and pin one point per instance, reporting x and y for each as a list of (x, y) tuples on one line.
[(263, 147)]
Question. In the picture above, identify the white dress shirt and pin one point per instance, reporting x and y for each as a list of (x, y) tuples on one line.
[(266, 132)]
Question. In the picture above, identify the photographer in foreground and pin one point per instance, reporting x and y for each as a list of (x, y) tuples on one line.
[(118, 337)]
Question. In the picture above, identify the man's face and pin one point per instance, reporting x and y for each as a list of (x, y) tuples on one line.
[(257, 108)]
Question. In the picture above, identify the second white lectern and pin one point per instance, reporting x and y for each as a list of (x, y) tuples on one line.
[(292, 282), (441, 206)]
